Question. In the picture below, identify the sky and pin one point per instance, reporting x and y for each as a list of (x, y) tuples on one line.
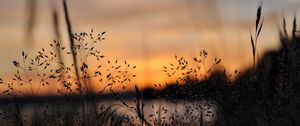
[(163, 28)]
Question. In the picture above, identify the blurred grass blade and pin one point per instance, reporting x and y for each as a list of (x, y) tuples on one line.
[(284, 26), (57, 34), (259, 30), (31, 14), (72, 44), (258, 16), (294, 27)]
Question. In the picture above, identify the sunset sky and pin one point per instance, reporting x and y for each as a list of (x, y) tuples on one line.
[(163, 27)]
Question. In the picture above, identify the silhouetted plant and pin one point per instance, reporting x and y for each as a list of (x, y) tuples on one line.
[(258, 27), (45, 68), (191, 77), (203, 94)]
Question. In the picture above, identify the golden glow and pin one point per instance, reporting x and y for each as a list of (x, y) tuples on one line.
[(162, 28)]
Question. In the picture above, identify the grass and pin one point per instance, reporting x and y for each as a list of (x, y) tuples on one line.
[(204, 94), (254, 39)]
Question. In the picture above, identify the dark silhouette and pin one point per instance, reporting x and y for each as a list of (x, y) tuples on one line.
[(265, 94)]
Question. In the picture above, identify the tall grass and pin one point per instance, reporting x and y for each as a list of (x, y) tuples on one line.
[(31, 14), (254, 39), (72, 45), (268, 96)]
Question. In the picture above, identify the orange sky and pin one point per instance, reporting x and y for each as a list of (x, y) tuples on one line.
[(167, 27)]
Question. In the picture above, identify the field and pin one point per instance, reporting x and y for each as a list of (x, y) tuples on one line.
[(92, 89)]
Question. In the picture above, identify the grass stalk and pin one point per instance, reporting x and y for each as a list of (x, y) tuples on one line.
[(74, 57), (57, 35), (72, 43), (254, 39), (31, 13)]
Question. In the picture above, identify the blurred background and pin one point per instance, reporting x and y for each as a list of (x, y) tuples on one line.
[(146, 33)]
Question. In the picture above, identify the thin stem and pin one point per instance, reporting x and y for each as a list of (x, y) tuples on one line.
[(72, 43)]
